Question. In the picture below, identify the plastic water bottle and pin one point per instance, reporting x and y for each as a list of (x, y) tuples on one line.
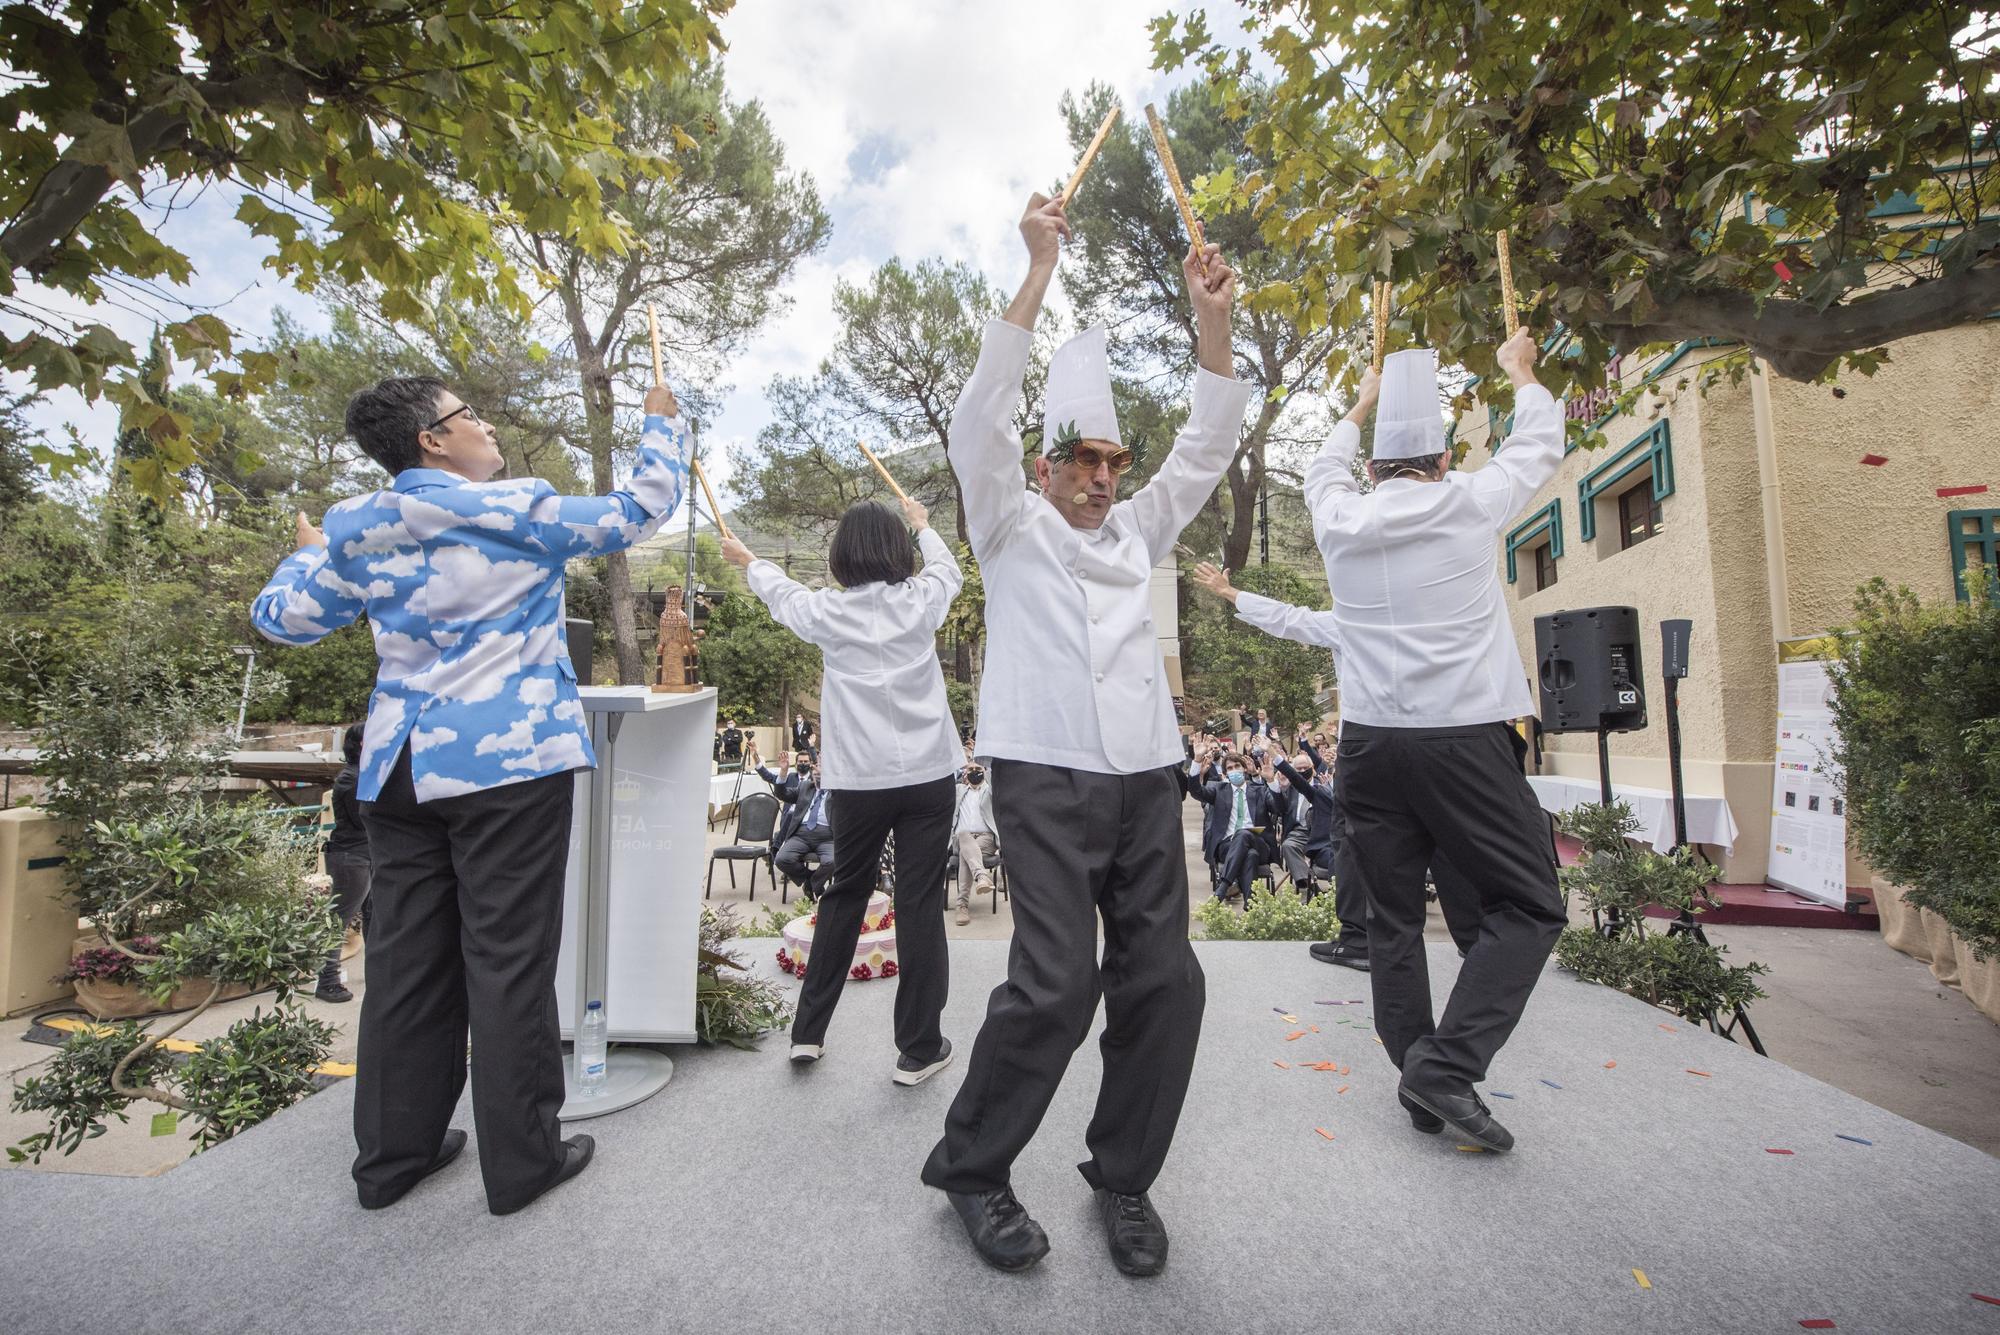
[(592, 1038)]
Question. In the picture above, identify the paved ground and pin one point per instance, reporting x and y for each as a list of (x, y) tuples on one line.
[(749, 1196), (1843, 1008)]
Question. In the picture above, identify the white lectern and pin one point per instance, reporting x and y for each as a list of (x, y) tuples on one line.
[(632, 901)]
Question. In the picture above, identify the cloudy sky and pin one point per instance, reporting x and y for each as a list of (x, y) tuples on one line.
[(925, 123)]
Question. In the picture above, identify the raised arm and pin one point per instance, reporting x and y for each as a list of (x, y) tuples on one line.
[(940, 579), (305, 601), (1206, 444), (1288, 621), (1524, 462), (1302, 784), (569, 526), (1330, 482)]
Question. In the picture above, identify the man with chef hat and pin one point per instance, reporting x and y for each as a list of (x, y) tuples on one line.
[(1429, 676), (1078, 730)]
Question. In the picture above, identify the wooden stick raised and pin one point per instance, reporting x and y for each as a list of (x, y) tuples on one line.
[(694, 465), (1504, 253), (901, 495), (1381, 323), (714, 510), (653, 328), (1188, 219), (1083, 163)]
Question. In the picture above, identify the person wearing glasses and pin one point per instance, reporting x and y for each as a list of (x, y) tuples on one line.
[(464, 775), (1080, 741)]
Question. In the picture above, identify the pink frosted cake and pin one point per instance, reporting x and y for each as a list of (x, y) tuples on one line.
[(874, 952)]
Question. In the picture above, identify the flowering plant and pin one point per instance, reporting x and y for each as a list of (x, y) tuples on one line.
[(107, 964)]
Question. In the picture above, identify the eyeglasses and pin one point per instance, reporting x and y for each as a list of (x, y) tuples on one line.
[(1088, 457), (465, 408)]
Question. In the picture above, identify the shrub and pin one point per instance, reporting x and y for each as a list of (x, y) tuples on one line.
[(1271, 915), (1916, 696), (732, 1005)]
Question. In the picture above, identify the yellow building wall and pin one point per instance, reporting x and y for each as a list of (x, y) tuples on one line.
[(1930, 411)]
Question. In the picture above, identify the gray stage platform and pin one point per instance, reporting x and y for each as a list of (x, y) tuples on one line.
[(750, 1197)]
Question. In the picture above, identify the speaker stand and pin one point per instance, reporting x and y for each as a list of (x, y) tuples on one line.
[(1607, 922)]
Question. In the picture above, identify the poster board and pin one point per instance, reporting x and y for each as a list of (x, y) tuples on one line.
[(1808, 853)]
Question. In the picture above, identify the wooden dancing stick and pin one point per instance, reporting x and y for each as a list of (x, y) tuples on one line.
[(1381, 323), (653, 328), (1188, 219), (1083, 163), (901, 495), (1504, 253), (694, 465)]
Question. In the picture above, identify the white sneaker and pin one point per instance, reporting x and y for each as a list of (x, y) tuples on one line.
[(805, 1054), (910, 1071)]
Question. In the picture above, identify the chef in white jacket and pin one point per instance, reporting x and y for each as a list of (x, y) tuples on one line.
[(1429, 676), (1078, 729), (888, 760)]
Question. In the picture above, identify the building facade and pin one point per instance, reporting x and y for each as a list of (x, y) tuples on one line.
[(1754, 509)]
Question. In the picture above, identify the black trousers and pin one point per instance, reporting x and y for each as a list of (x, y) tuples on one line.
[(1408, 794), (791, 859), (468, 896), (920, 817), (351, 872), (1239, 857), (1081, 846)]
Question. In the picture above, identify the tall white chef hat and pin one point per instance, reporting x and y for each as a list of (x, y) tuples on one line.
[(1408, 424), (1077, 405)]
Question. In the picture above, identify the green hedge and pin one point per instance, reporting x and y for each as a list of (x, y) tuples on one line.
[(1916, 693)]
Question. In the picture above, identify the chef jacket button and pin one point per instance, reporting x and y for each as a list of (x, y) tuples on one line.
[(1083, 574), (1093, 618), (1100, 676)]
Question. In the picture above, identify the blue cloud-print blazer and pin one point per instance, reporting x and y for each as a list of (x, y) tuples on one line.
[(462, 583)]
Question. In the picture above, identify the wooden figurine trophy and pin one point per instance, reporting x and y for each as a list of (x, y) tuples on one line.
[(676, 669)]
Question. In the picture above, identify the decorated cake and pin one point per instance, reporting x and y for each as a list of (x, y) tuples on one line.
[(874, 951)]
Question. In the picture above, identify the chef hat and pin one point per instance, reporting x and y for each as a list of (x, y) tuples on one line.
[(1077, 403), (1408, 424)]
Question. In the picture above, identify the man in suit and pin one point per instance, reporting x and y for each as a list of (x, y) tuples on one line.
[(1235, 840), (801, 732), (1296, 811), (464, 777), (805, 829), (729, 745)]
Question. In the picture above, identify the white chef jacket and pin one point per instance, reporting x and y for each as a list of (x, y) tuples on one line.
[(884, 720), (1418, 614), (1073, 673)]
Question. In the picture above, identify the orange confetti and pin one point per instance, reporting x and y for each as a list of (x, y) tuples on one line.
[(1609, 1065), (1283, 1066), (1295, 1035), (1326, 1066), (1324, 1132), (1343, 1089), (1315, 1028), (1703, 1074), (1670, 1029)]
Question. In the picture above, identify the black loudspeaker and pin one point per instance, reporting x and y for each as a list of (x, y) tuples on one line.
[(580, 634), (1589, 670)]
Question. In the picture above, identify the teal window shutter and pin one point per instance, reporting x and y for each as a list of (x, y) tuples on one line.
[(1549, 520), (1652, 448)]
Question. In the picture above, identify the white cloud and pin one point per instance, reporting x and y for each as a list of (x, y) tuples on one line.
[(467, 586), (421, 740)]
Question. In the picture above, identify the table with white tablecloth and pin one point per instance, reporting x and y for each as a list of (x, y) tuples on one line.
[(726, 790), (1708, 818)]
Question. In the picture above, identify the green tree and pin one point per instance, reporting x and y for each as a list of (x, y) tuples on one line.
[(17, 462), (752, 661), (1225, 663), (711, 249), (367, 141), (1129, 276), (1810, 181)]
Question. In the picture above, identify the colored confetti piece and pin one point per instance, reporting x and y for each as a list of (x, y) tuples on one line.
[(1817, 1323), (1295, 1035), (1777, 1151), (1282, 1066), (1324, 1132), (1343, 1089), (1552, 1084), (1670, 1029), (1783, 270), (1609, 1065), (1874, 460), (1379, 1043), (1498, 1095), (1703, 1074), (1856, 1139), (1291, 1019), (1640, 1275), (1944, 492), (1326, 1066), (1984, 1299), (1313, 1027), (1470, 1149), (1279, 1009)]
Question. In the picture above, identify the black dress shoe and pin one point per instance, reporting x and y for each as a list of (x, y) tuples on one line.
[(1421, 1120), (1463, 1113), (448, 1149), (1138, 1239), (1000, 1228), (576, 1157), (1332, 952)]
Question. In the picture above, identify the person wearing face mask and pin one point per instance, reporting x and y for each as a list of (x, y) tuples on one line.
[(1241, 814), (464, 779), (973, 831), (805, 826), (1078, 730)]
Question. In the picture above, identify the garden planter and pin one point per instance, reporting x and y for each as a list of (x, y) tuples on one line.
[(1944, 959), (126, 1001), (1900, 924), (1979, 979)]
